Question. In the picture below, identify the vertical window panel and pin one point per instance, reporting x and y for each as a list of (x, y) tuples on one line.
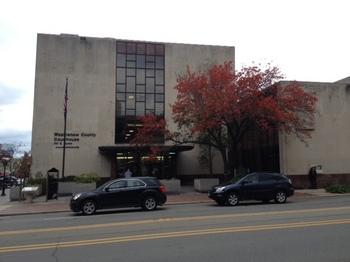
[(140, 61), (159, 62), (121, 60), (140, 76), (149, 101), (159, 77), (120, 75), (130, 100), (130, 84), (149, 85)]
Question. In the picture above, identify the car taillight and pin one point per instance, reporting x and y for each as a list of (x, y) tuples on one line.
[(162, 189)]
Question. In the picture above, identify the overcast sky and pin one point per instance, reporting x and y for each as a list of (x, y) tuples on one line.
[(309, 40)]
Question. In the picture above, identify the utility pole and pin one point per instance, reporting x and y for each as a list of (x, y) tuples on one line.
[(65, 127)]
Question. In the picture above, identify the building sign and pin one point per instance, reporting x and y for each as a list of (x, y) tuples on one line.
[(73, 140)]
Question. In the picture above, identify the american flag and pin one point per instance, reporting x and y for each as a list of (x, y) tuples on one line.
[(66, 97)]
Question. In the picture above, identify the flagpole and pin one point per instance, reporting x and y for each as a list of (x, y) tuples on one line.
[(65, 127)]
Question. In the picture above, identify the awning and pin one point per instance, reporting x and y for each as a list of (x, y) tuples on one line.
[(108, 150)]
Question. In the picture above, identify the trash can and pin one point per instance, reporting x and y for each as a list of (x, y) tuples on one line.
[(52, 184)]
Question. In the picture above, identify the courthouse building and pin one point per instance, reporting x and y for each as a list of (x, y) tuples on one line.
[(112, 82)]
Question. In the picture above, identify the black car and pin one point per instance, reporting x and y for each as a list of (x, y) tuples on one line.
[(254, 186), (145, 192), (10, 181)]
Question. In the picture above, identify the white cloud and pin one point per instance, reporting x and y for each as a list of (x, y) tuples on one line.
[(308, 40)]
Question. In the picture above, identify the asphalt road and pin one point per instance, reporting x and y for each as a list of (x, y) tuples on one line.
[(309, 229)]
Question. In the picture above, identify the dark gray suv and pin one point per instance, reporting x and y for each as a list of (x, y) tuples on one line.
[(254, 186)]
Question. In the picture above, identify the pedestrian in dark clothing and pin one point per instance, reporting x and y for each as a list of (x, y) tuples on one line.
[(313, 177)]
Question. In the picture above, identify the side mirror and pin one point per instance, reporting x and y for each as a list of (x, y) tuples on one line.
[(106, 189), (243, 183)]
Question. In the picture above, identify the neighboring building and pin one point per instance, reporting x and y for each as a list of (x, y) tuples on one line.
[(110, 83), (329, 146)]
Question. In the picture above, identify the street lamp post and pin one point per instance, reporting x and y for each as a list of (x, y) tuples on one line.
[(4, 161)]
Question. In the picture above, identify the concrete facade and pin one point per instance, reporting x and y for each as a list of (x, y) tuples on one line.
[(90, 66), (329, 145)]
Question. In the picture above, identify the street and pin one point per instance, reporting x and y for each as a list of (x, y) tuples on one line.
[(306, 229)]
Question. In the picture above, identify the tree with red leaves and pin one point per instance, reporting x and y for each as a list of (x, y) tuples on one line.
[(218, 107)]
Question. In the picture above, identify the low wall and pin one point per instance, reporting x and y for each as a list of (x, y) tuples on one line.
[(173, 186), (69, 188), (323, 180), (204, 184)]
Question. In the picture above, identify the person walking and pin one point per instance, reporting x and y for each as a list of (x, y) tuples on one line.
[(313, 177), (128, 173)]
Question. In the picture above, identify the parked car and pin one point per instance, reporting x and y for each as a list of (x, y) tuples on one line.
[(254, 186), (145, 192), (10, 181)]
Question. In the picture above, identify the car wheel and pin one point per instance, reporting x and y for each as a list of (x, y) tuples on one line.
[(232, 199), (88, 207), (149, 203), (280, 197)]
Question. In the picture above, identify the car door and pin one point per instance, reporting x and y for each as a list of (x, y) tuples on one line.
[(250, 187), (113, 195), (267, 183), (133, 195)]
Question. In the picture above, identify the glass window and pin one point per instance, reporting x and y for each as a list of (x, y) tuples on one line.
[(131, 57), (131, 64), (150, 58), (140, 97), (266, 178), (117, 184), (149, 85), (121, 58), (131, 72), (159, 77), (150, 101), (120, 108), (160, 89), (135, 183), (159, 98), (159, 109), (121, 47), (130, 112), (149, 111), (130, 84), (140, 108), (150, 65), (140, 61), (120, 75), (141, 49), (140, 88), (140, 76), (131, 48), (130, 100), (150, 73), (159, 62), (251, 179), (160, 50), (120, 87), (150, 49), (120, 96)]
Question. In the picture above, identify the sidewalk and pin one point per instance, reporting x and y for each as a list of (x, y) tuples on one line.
[(188, 196)]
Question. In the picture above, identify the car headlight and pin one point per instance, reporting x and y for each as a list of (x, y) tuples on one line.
[(219, 189), (75, 197)]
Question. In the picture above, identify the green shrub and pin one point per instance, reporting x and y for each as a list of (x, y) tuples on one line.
[(339, 189), (87, 178)]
